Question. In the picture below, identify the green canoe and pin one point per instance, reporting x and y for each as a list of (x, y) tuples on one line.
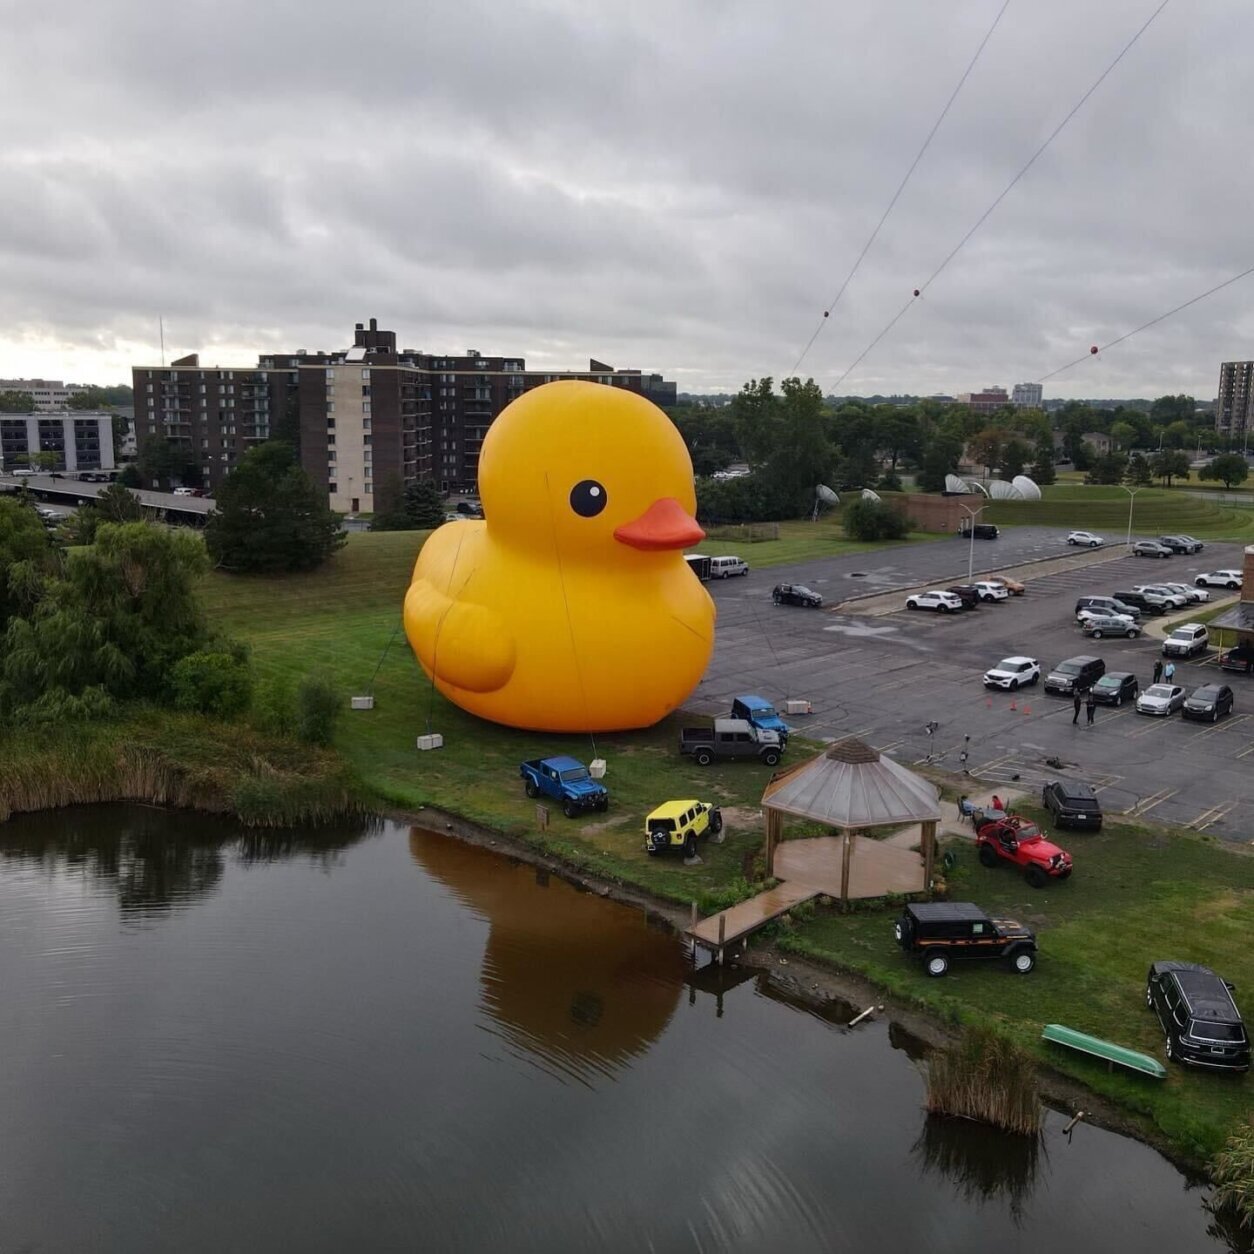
[(1108, 1052)]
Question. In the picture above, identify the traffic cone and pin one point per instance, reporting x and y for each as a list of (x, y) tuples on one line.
[(1013, 703), (989, 703), (1027, 709)]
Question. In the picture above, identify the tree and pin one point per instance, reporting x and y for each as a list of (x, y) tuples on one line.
[(113, 626), (755, 416), (424, 506), (873, 520), (1177, 434), (1169, 465), (897, 433), (1014, 457), (167, 462), (16, 403), (212, 683), (114, 505), (1169, 409), (1108, 468), (26, 557), (986, 448), (130, 477), (1042, 470), (1123, 434), (940, 458), (47, 459), (270, 516), (1231, 468), (1138, 473), (89, 398)]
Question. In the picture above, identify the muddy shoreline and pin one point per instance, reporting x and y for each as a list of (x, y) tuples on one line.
[(813, 982)]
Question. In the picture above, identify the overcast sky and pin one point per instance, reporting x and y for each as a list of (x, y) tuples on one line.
[(680, 187)]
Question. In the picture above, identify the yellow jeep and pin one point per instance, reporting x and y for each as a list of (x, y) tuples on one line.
[(680, 824)]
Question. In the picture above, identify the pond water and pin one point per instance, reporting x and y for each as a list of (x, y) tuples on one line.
[(218, 1040)]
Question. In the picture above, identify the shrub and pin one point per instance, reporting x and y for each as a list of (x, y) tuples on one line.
[(317, 708), (212, 683), (873, 520), (1233, 1173), (274, 706)]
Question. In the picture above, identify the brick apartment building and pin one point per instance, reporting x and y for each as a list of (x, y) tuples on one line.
[(1234, 410), (366, 416), (987, 402)]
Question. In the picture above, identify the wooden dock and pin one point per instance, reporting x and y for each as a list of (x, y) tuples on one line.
[(730, 925)]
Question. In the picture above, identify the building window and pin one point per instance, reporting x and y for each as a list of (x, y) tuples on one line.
[(365, 424), (365, 374), (369, 486), (331, 487)]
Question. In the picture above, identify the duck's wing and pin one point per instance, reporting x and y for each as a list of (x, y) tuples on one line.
[(460, 642)]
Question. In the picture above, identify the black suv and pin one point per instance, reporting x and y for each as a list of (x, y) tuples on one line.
[(1199, 1018), (1075, 674), (983, 531), (968, 594), (795, 594), (943, 931), (1146, 602), (1180, 544), (1072, 804)]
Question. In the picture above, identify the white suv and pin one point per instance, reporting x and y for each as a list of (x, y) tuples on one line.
[(1174, 599), (1230, 579), (1012, 673), (1186, 640), (941, 602), (1085, 539), (990, 591)]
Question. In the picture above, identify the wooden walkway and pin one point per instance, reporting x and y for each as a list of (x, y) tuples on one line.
[(727, 927)]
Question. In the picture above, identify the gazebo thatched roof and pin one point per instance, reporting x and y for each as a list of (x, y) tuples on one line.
[(850, 785)]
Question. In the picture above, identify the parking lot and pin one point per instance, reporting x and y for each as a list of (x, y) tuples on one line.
[(887, 677)]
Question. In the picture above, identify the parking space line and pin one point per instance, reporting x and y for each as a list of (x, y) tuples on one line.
[(1220, 726), (1146, 804), (1212, 816), (1155, 724)]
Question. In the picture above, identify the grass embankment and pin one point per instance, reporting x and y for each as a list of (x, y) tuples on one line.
[(1105, 510), (344, 620), (166, 758), (1138, 894), (799, 541)]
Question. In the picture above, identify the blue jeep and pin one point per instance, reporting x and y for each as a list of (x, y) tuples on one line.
[(564, 780), (761, 713)]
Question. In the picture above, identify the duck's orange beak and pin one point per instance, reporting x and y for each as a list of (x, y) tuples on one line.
[(664, 525)]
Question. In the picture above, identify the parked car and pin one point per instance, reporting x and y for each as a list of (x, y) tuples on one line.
[(983, 531), (937, 599), (1160, 699), (1187, 640), (795, 594), (1240, 659), (1086, 539), (1230, 579), (1199, 1018), (1173, 600), (1097, 626), (680, 825), (1198, 546), (943, 931), (726, 566), (1181, 544), (1019, 841), (1150, 548), (1072, 803), (1074, 673), (730, 738), (1107, 605), (1116, 687), (184, 491), (1145, 602), (967, 593), (566, 781), (991, 591), (1195, 596), (762, 714), (1013, 586), (1210, 702), (1013, 673)]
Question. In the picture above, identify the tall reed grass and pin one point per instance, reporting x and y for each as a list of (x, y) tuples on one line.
[(986, 1077), (1232, 1171)]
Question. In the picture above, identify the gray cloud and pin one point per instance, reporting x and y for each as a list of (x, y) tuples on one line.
[(680, 188)]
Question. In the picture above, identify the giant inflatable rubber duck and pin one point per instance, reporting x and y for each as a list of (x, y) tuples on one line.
[(570, 608)]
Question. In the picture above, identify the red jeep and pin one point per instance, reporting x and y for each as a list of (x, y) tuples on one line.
[(1019, 841)]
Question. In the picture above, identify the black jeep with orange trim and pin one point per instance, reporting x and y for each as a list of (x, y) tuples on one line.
[(942, 932)]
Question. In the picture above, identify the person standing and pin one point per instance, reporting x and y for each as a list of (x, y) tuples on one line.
[(1170, 673), (1077, 700), (1158, 670), (1090, 705)]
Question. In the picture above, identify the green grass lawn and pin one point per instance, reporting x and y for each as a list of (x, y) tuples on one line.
[(344, 621), (1105, 510), (1138, 894), (800, 541)]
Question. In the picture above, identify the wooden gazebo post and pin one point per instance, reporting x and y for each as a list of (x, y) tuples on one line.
[(929, 852), (774, 831)]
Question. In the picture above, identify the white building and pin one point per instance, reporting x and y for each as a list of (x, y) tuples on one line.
[(1027, 396), (50, 394), (82, 440)]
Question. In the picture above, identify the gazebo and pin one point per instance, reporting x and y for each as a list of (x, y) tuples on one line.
[(851, 787)]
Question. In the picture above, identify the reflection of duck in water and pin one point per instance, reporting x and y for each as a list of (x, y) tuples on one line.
[(581, 984)]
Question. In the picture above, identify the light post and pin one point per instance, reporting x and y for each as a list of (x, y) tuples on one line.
[(973, 514), (1131, 501)]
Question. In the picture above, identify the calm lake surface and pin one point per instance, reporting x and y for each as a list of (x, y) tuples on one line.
[(214, 1040)]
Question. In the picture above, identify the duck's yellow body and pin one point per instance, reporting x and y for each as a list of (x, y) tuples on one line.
[(571, 607)]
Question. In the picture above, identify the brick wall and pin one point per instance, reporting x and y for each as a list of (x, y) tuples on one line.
[(931, 512)]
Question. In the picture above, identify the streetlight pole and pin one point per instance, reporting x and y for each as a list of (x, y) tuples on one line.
[(972, 514), (1131, 501)]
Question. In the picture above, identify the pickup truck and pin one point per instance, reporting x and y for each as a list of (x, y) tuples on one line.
[(761, 713), (564, 780), (730, 738)]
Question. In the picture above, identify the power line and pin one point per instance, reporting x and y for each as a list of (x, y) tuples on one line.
[(901, 186), (1031, 161), (1146, 325)]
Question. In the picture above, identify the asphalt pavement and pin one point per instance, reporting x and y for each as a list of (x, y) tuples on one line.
[(889, 678)]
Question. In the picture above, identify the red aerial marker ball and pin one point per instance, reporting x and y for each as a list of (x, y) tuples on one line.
[(1093, 350)]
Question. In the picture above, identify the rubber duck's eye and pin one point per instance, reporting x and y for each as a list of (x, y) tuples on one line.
[(587, 498)]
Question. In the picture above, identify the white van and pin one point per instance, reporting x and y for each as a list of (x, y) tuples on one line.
[(725, 567)]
